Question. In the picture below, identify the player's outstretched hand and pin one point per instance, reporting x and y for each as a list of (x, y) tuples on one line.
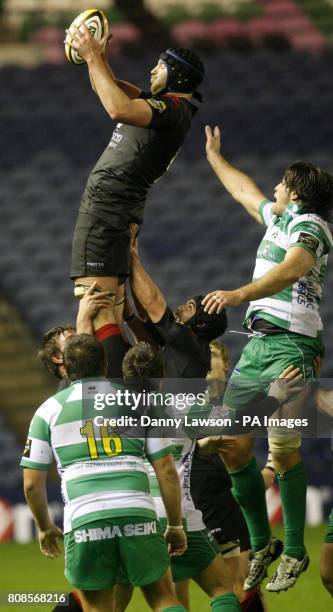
[(85, 44), (286, 384), (176, 541), (213, 142), (49, 542), (219, 299)]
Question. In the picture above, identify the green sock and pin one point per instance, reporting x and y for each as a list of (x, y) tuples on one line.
[(293, 496), (225, 603), (249, 490), (174, 609)]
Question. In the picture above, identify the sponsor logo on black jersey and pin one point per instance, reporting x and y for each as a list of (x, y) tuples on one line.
[(308, 240), (159, 105)]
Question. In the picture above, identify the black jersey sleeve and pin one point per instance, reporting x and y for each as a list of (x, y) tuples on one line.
[(168, 328), (154, 333), (167, 110), (178, 335)]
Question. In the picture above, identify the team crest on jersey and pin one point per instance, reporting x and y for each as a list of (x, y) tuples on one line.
[(308, 240), (159, 105), (27, 448)]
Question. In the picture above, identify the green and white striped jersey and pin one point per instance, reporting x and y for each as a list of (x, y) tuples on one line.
[(295, 308), (102, 473), (183, 451)]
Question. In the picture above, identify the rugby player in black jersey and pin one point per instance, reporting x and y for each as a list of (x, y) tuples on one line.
[(150, 130)]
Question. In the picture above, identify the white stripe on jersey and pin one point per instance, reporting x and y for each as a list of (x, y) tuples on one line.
[(86, 504), (40, 452)]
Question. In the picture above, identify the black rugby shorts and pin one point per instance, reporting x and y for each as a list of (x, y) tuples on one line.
[(211, 493), (98, 249)]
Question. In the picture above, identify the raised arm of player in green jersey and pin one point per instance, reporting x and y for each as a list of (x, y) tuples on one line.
[(240, 185), (36, 496)]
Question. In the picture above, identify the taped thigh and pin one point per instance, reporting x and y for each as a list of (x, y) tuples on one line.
[(282, 442)]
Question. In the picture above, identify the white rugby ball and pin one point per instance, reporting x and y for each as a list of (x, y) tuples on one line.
[(96, 23)]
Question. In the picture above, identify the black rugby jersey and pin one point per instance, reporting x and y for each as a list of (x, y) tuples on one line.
[(134, 159), (184, 354)]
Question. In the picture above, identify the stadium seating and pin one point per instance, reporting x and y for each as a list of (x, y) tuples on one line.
[(273, 108)]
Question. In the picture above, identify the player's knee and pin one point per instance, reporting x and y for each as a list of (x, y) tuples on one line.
[(239, 455), (83, 284), (281, 445), (160, 594)]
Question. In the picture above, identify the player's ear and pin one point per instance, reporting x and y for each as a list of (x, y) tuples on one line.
[(293, 196), (58, 358)]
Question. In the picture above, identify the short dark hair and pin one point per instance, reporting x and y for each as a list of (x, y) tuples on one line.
[(84, 357), (49, 347), (314, 187), (141, 361)]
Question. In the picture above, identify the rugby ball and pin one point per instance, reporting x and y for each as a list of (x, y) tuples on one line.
[(96, 23)]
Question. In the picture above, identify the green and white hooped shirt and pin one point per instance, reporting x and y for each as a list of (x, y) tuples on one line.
[(183, 452), (295, 308), (102, 474)]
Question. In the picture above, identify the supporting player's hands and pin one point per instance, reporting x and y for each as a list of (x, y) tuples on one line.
[(176, 541), (90, 304), (215, 444), (49, 541), (213, 142), (219, 299), (87, 46), (286, 384)]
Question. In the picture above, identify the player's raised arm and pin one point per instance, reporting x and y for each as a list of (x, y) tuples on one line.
[(132, 91), (146, 292), (240, 185), (118, 104)]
